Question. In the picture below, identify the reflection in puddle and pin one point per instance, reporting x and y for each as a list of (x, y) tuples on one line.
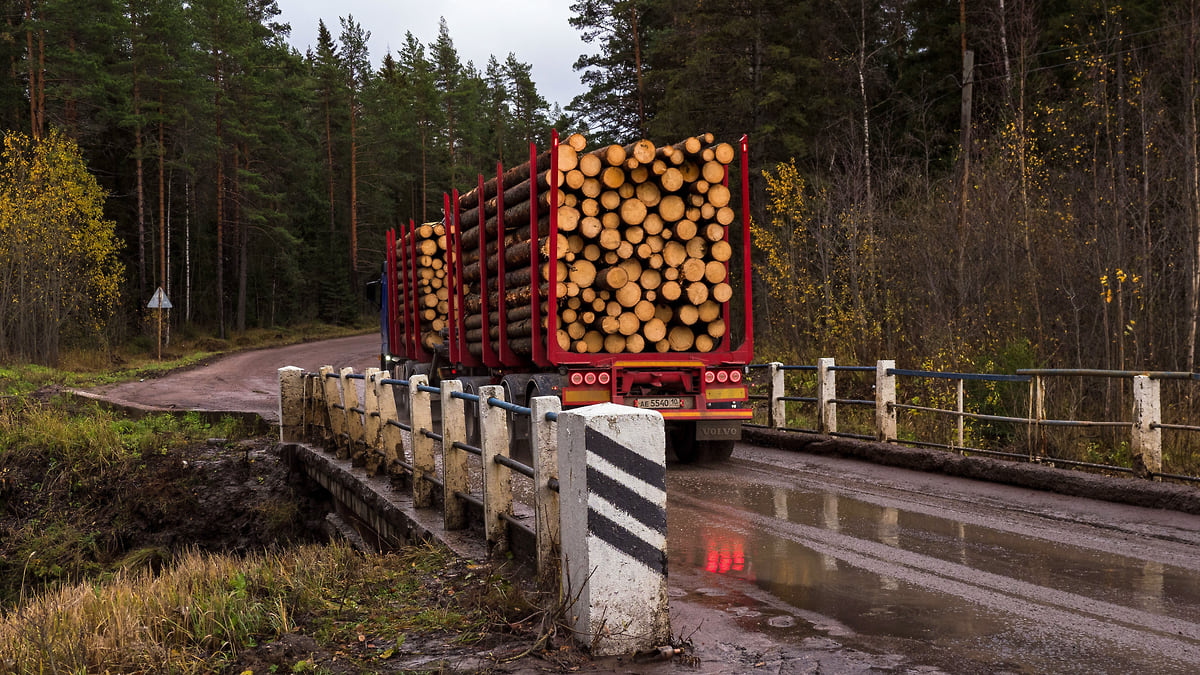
[(819, 577)]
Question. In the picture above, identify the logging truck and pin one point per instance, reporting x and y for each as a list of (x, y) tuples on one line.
[(601, 275)]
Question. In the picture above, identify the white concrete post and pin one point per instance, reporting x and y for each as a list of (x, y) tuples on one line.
[(776, 410), (545, 500), (291, 404), (1146, 439), (885, 400), (393, 437), (826, 392), (371, 419), (354, 422), (497, 478), (422, 445), (336, 430), (454, 460), (613, 499)]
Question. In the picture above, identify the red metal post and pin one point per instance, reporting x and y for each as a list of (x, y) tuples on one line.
[(553, 353), (488, 355), (414, 336), (746, 351), (464, 354), (506, 355)]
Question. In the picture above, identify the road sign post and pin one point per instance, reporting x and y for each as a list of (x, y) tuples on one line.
[(160, 302)]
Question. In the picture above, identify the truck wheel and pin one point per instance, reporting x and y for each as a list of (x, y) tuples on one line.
[(682, 441), (715, 451)]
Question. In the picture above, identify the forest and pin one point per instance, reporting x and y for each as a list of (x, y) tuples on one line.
[(986, 185)]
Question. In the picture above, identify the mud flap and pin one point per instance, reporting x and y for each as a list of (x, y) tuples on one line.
[(719, 430)]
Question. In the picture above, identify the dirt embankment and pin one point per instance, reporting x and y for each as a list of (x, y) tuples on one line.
[(58, 525)]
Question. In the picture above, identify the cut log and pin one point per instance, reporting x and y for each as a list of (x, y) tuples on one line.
[(591, 165), (697, 293), (721, 292), (723, 153), (681, 338), (671, 208), (513, 176), (633, 211), (714, 272), (720, 251), (612, 278), (643, 151), (654, 330)]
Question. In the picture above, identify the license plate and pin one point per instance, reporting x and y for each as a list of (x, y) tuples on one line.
[(659, 402)]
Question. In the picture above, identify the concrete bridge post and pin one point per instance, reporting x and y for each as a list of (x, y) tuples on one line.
[(1146, 440), (372, 438), (336, 429), (497, 478), (776, 410), (885, 400), (291, 404), (454, 460), (356, 433), (422, 445), (545, 500), (613, 499), (391, 438), (826, 393)]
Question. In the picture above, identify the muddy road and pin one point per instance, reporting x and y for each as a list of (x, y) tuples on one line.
[(946, 573), (245, 381), (788, 562)]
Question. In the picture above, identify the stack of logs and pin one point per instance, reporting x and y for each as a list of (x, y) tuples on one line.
[(432, 290), (642, 248)]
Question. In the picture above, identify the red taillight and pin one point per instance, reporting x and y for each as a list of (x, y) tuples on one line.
[(735, 376), (604, 378), (577, 379), (589, 378), (722, 376), (709, 377)]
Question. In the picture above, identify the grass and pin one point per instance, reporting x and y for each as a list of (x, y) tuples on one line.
[(202, 611)]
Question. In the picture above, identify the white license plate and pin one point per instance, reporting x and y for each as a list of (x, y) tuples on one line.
[(659, 402)]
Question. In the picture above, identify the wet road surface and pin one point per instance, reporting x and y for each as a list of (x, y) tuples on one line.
[(939, 573)]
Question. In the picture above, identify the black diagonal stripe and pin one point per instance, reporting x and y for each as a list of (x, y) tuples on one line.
[(626, 542), (625, 459), (641, 509)]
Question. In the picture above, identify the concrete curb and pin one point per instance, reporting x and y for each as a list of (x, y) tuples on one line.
[(255, 421), (1121, 490), (388, 512)]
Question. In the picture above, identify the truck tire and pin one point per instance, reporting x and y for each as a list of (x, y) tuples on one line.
[(681, 439), (715, 451)]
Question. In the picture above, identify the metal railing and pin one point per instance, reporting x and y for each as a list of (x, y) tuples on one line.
[(1144, 427), (370, 434)]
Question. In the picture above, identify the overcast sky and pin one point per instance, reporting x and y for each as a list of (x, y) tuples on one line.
[(535, 30)]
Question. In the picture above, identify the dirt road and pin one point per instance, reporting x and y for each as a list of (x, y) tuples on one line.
[(246, 381)]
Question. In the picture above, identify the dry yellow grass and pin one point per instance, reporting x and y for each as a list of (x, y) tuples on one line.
[(189, 619)]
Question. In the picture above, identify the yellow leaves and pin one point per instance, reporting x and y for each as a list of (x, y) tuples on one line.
[(58, 257)]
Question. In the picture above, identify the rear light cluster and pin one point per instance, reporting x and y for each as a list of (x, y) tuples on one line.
[(591, 377), (732, 376)]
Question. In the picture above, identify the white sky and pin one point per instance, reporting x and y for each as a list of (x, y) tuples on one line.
[(535, 30)]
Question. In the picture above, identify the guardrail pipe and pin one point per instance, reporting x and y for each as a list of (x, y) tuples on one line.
[(776, 410), (422, 445), (613, 501), (291, 404), (545, 500), (885, 400), (454, 460), (497, 478), (826, 392), (1146, 438)]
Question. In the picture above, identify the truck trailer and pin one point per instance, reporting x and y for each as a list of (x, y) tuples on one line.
[(619, 274)]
